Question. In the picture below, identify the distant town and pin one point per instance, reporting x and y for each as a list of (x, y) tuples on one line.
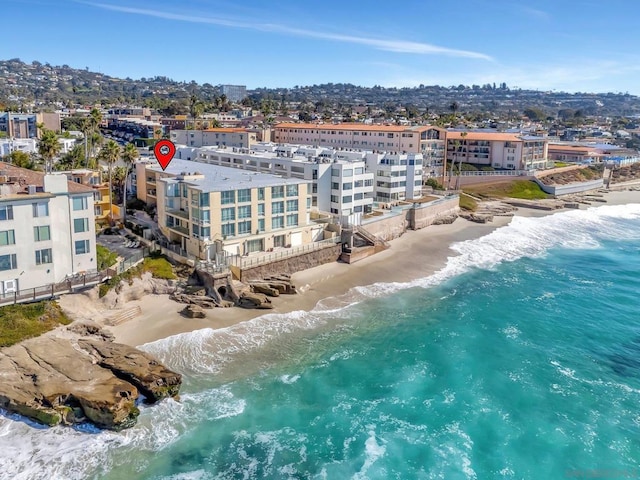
[(264, 175)]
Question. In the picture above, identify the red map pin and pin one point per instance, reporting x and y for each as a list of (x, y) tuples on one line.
[(164, 150)]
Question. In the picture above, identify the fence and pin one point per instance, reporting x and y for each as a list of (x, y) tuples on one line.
[(256, 260), (69, 285), (506, 173)]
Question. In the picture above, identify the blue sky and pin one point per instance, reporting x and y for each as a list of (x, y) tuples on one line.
[(569, 45)]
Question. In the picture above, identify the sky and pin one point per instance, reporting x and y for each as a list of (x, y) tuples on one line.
[(561, 45)]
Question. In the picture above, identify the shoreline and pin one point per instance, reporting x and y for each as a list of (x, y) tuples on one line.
[(414, 255)]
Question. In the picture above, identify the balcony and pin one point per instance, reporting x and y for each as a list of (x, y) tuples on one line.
[(178, 213), (180, 230)]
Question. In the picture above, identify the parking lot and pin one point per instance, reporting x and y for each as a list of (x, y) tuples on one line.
[(117, 243)]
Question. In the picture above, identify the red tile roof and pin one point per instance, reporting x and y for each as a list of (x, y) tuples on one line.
[(32, 177)]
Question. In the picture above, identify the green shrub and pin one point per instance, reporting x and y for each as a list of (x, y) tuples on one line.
[(105, 257), (19, 322), (433, 183)]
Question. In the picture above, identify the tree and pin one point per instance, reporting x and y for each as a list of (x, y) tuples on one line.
[(109, 154), (20, 159), (48, 148), (73, 159), (129, 156)]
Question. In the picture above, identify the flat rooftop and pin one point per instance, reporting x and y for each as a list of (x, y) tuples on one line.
[(221, 179)]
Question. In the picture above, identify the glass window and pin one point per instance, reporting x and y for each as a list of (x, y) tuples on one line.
[(244, 227), (43, 256), (346, 199), (204, 199), (41, 234), (347, 186), (292, 205), (277, 222), (359, 171), (261, 193), (347, 172), (79, 203), (292, 220), (228, 214), (244, 195), (6, 212), (279, 241), (277, 192), (80, 225), (261, 225), (41, 209), (228, 197), (8, 262), (277, 207), (229, 230), (261, 209), (82, 246), (292, 190), (335, 186), (7, 237), (244, 212)]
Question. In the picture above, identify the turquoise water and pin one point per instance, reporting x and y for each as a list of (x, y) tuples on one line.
[(520, 359)]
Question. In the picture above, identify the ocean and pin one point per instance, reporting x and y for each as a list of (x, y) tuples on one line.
[(519, 359)]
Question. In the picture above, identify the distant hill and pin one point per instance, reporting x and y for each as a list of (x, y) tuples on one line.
[(22, 82)]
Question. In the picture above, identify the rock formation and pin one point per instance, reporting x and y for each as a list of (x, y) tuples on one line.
[(77, 375)]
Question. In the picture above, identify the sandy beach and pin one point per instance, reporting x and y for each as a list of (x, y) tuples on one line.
[(414, 255)]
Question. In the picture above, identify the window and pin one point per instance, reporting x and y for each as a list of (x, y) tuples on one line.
[(261, 193), (8, 262), (308, 203), (244, 195), (347, 172), (347, 186), (277, 222), (41, 209), (229, 230), (347, 199), (244, 227), (292, 220), (292, 205), (244, 212), (6, 212), (335, 198), (358, 196), (82, 246), (277, 192), (228, 197), (261, 209), (43, 256), (335, 172), (335, 186), (7, 237), (80, 225), (204, 199), (359, 171), (79, 203), (43, 233), (228, 214), (261, 225), (277, 207)]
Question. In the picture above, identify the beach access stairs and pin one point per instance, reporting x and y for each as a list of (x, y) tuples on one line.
[(359, 243)]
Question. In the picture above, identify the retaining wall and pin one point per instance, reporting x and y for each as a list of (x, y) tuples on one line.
[(570, 188), (423, 215)]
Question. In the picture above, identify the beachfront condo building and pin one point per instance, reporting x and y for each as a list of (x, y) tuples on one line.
[(47, 229), (398, 176), (103, 206), (425, 139), (216, 137), (339, 181), (208, 209), (510, 151)]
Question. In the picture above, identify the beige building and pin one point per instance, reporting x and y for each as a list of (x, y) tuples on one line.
[(209, 210), (215, 137), (427, 140), (510, 151)]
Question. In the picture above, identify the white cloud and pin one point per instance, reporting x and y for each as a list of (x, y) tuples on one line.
[(390, 45)]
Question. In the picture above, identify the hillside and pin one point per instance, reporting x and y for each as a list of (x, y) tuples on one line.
[(46, 84)]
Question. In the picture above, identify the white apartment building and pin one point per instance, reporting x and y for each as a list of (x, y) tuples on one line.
[(218, 137), (26, 145), (208, 209), (425, 139), (510, 151), (338, 180), (47, 229), (398, 176)]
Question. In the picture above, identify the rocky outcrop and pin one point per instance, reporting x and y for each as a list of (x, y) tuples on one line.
[(254, 300), (78, 375), (193, 311)]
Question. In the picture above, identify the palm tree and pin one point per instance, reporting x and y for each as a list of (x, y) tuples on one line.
[(466, 152), (48, 148), (129, 156), (109, 154)]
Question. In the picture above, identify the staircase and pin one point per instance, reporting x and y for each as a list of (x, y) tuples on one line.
[(123, 316), (371, 238)]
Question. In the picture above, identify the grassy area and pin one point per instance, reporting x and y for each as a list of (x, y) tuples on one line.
[(19, 322), (523, 189), (561, 164), (157, 265), (468, 203), (105, 257)]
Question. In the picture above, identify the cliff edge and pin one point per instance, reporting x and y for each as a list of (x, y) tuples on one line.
[(78, 374)]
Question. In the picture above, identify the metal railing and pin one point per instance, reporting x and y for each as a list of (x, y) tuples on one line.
[(506, 173), (263, 258)]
